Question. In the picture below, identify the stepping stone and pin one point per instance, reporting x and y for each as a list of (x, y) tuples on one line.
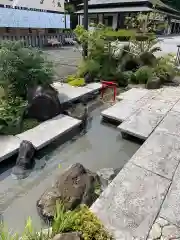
[(50, 130), (159, 154), (145, 120), (130, 204), (171, 208), (122, 110), (133, 94), (176, 107), (168, 94), (94, 86), (69, 93), (9, 145), (171, 123)]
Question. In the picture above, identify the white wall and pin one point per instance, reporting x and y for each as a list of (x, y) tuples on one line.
[(47, 4), (10, 17)]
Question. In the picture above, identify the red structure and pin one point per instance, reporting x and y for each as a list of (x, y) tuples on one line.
[(112, 85)]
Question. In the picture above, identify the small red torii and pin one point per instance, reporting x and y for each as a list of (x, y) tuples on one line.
[(109, 84)]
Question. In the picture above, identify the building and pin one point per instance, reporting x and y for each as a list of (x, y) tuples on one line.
[(113, 12), (20, 19)]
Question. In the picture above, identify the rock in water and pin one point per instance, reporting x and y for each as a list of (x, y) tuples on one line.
[(43, 103), (107, 175), (75, 186), (68, 236), (25, 160)]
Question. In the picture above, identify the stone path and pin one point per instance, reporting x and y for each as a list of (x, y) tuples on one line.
[(143, 200), (49, 131), (69, 93)]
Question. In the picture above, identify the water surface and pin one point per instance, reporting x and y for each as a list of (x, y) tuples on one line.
[(101, 147)]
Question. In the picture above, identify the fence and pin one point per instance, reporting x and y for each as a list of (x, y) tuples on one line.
[(37, 40)]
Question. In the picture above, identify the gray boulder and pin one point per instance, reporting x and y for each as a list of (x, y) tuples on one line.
[(75, 186), (25, 160), (154, 83), (43, 103)]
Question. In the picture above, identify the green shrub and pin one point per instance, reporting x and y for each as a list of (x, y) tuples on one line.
[(133, 79), (21, 67), (123, 78), (11, 114), (89, 66), (80, 220), (143, 74), (165, 68)]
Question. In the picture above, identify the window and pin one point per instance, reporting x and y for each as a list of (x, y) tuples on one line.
[(7, 30)]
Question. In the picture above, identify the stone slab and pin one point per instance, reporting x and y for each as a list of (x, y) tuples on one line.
[(176, 107), (69, 93), (145, 120), (94, 86), (122, 110), (133, 94), (171, 208), (131, 202), (168, 94), (159, 154), (170, 124), (9, 145), (49, 131)]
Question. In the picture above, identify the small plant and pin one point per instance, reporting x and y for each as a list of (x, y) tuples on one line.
[(80, 220), (11, 114), (143, 74), (165, 68), (75, 81)]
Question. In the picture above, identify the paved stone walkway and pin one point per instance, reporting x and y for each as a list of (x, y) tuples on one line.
[(143, 201)]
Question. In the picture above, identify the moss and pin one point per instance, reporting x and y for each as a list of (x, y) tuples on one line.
[(79, 82)]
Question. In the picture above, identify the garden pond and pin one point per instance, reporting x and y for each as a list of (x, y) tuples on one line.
[(101, 147)]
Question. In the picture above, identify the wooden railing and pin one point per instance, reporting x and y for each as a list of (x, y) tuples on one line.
[(37, 40)]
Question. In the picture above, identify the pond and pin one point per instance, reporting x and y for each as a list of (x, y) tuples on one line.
[(101, 147)]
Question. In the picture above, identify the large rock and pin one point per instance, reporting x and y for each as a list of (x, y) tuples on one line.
[(75, 186), (68, 236), (43, 103), (154, 83), (25, 160)]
